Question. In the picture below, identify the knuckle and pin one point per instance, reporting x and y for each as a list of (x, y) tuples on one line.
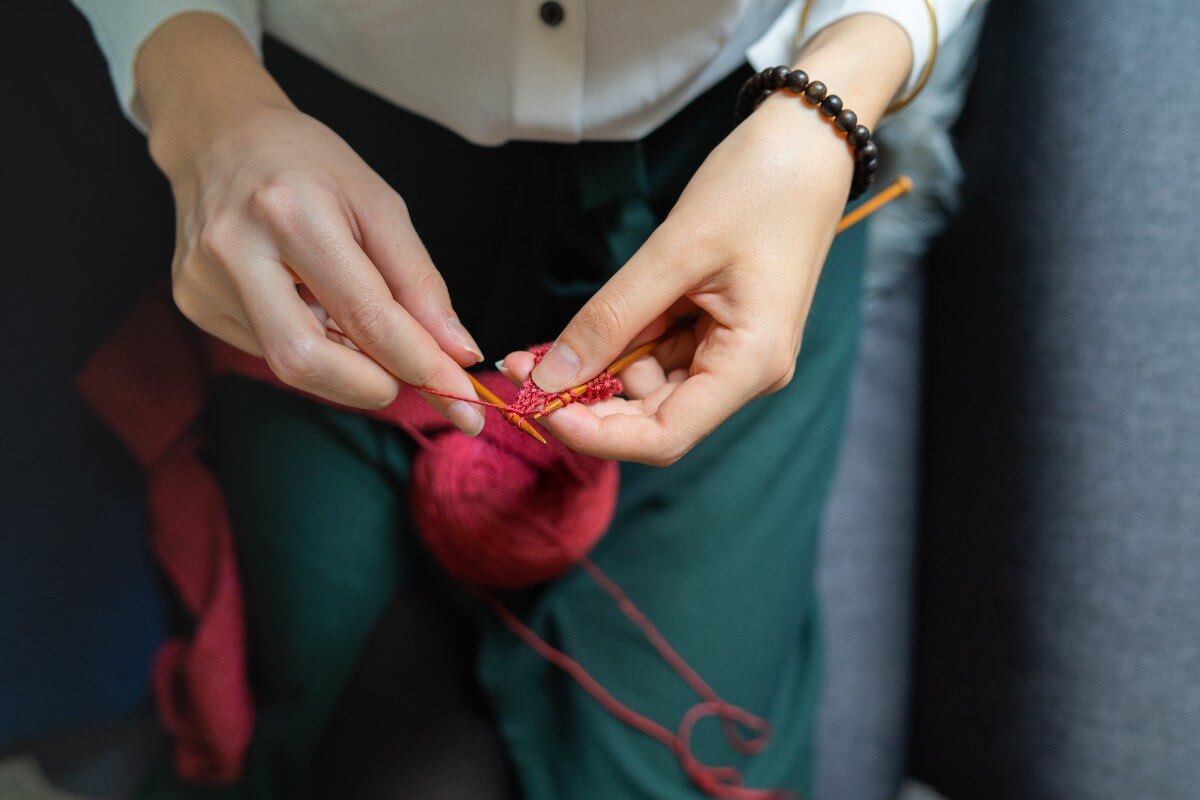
[(279, 200), (428, 282), (604, 316), (668, 457), (385, 206), (367, 323), (184, 296), (426, 276), (777, 361), (666, 451), (782, 367), (678, 450), (215, 241), (396, 202), (382, 399), (784, 379), (295, 362), (422, 373)]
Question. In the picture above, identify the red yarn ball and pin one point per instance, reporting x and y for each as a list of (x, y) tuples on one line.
[(502, 511)]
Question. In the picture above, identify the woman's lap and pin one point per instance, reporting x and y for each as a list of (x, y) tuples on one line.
[(717, 550)]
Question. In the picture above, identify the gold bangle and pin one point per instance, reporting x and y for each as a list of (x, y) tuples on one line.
[(922, 79)]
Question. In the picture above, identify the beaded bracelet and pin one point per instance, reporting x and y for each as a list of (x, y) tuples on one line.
[(866, 154)]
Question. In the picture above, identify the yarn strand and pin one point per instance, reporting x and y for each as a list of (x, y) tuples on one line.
[(721, 782)]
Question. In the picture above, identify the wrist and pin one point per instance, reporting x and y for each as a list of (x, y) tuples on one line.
[(864, 59), (196, 77)]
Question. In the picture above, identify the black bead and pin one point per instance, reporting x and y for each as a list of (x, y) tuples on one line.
[(831, 106), (867, 152), (552, 13), (859, 136), (779, 77), (846, 121), (797, 80), (871, 167), (815, 92), (858, 188)]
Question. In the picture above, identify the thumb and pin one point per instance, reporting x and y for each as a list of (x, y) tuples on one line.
[(641, 292)]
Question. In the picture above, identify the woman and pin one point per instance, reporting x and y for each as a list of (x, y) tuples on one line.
[(586, 188)]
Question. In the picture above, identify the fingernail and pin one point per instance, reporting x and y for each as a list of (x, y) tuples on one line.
[(465, 417), (503, 370), (558, 370), (460, 333)]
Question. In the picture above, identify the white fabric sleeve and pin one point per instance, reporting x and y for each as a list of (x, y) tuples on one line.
[(778, 45), (121, 26)]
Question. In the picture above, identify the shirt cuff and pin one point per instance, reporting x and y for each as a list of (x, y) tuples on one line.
[(122, 27), (778, 45)]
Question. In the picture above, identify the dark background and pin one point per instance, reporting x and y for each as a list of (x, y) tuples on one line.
[(87, 222)]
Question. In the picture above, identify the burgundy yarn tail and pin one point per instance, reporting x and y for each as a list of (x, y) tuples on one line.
[(715, 781), (758, 725)]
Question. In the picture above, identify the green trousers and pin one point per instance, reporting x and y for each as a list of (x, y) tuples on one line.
[(718, 550)]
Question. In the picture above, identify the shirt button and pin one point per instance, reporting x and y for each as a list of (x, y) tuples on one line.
[(552, 13)]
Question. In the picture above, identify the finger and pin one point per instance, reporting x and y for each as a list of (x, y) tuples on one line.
[(516, 366), (643, 377), (389, 240), (678, 351), (689, 412), (637, 296), (319, 247), (651, 401), (295, 346), (332, 331)]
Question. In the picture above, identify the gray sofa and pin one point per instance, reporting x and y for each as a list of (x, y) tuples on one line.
[(1057, 617)]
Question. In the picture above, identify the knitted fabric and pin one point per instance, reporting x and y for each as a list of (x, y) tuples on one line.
[(532, 399)]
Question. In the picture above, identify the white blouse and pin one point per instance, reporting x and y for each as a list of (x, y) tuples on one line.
[(550, 70)]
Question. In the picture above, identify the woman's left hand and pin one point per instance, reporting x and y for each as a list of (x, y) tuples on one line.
[(743, 246)]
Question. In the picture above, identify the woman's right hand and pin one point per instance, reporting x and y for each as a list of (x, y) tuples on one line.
[(267, 198)]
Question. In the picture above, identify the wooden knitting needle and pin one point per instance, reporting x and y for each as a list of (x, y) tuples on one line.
[(898, 188), (490, 396), (621, 363)]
